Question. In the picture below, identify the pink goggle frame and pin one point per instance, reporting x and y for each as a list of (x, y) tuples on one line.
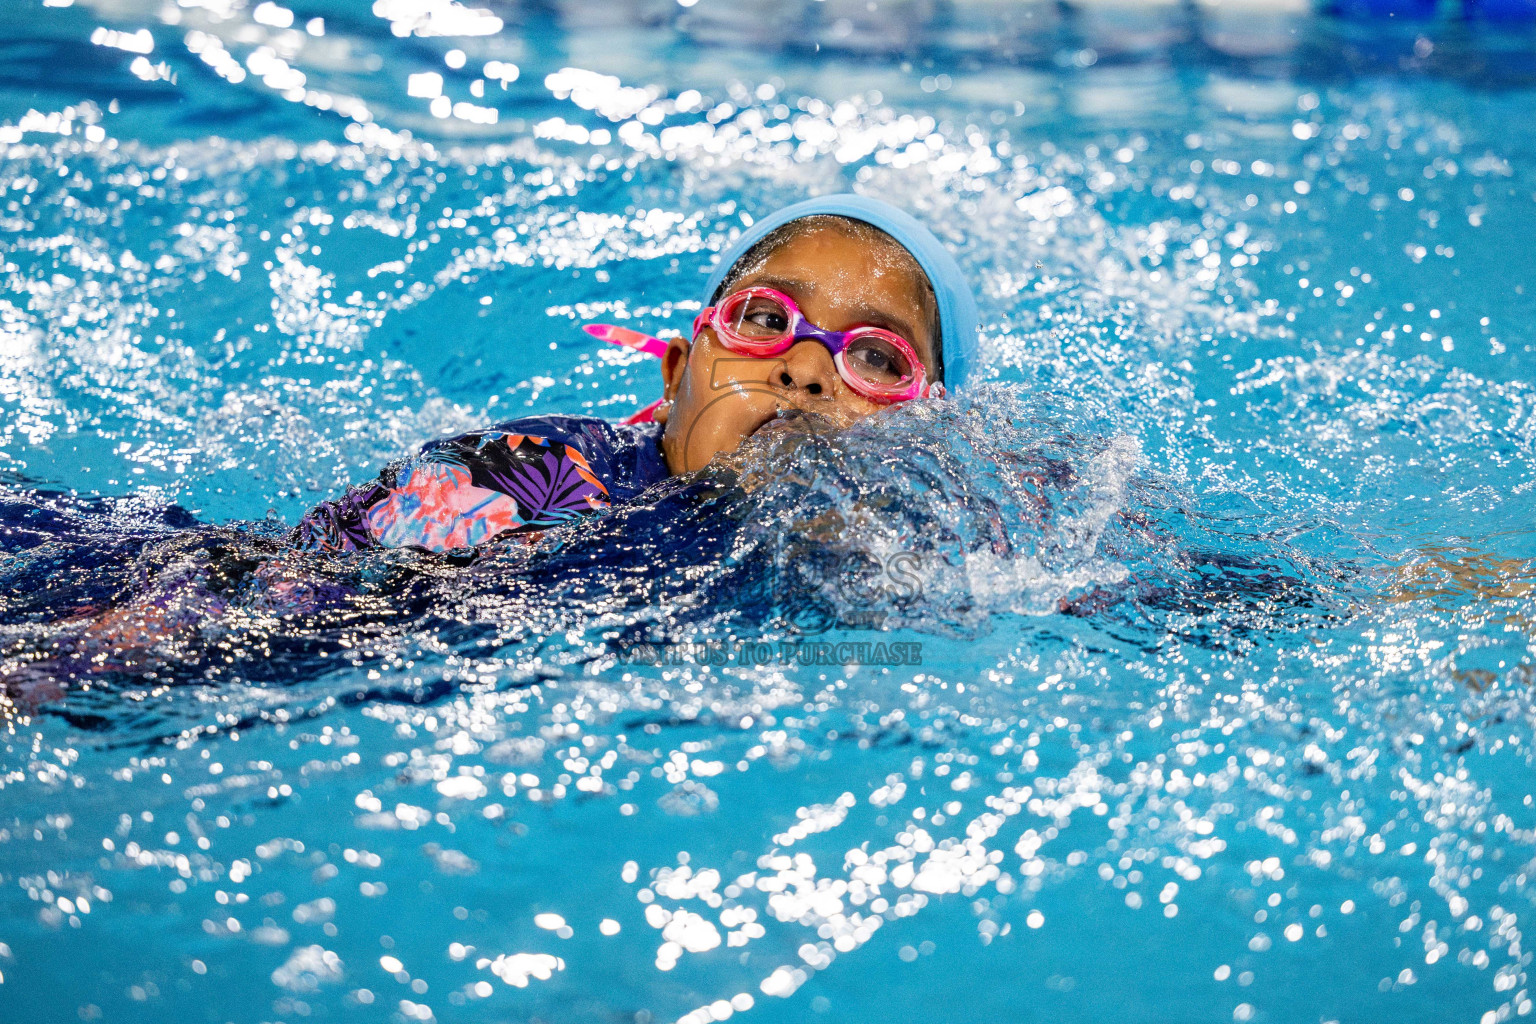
[(876, 363)]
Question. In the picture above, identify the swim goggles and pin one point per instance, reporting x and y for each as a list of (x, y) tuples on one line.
[(761, 322), (876, 363)]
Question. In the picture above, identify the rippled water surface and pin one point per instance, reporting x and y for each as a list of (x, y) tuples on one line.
[(1206, 625)]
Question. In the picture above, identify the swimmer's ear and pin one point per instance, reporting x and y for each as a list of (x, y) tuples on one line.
[(674, 361)]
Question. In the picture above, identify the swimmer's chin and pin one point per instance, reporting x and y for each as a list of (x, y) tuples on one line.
[(766, 454), (793, 419), (772, 419)]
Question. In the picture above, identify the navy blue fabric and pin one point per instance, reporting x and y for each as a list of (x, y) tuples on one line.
[(957, 304)]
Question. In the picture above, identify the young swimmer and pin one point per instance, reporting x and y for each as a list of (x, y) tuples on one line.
[(834, 308)]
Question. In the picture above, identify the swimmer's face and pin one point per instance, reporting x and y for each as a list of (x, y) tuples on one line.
[(720, 398)]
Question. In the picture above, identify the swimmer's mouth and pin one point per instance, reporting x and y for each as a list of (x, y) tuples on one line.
[(780, 417)]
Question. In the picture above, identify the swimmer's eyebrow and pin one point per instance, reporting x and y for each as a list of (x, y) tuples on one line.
[(791, 286), (863, 314)]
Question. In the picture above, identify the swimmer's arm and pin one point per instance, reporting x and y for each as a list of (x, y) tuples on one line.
[(342, 523)]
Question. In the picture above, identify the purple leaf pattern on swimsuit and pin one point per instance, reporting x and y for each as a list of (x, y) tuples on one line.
[(555, 485)]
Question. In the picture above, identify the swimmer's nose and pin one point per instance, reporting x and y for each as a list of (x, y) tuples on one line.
[(808, 367)]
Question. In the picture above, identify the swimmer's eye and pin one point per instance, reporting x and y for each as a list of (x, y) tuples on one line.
[(878, 361), (763, 318)]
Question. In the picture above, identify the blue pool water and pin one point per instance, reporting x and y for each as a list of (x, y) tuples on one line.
[(1224, 584)]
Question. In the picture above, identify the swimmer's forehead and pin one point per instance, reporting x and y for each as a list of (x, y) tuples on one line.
[(881, 291), (863, 311)]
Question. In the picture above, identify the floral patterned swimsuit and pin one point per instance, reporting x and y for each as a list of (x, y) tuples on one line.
[(516, 477)]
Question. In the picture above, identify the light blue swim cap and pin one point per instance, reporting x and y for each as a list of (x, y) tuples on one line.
[(957, 306)]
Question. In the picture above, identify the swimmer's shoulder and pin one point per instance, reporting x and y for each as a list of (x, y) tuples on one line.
[(518, 476), (626, 457)]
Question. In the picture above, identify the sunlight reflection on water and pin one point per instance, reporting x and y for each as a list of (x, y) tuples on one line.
[(1223, 590)]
